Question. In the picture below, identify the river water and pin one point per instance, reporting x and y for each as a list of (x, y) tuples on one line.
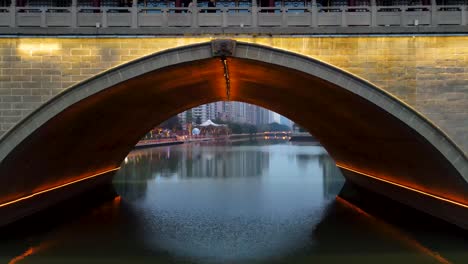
[(251, 202)]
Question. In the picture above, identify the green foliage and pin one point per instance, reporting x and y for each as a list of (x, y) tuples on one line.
[(278, 127), (172, 123), (301, 129), (189, 116), (274, 127), (238, 128), (198, 120)]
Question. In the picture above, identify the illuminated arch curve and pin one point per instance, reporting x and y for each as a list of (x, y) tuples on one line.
[(365, 129)]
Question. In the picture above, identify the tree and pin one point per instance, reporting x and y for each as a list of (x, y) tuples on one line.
[(298, 127), (189, 117), (198, 120), (278, 127), (250, 129), (235, 128), (274, 127), (172, 123)]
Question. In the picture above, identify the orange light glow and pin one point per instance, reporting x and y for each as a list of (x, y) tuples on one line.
[(403, 186), (29, 252), (117, 200), (393, 231), (56, 187), (17, 259)]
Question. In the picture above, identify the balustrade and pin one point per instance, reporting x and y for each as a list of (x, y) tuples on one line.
[(227, 15)]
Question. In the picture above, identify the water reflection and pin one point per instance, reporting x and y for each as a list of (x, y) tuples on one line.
[(246, 203), (193, 161), (332, 177), (228, 203), (187, 161)]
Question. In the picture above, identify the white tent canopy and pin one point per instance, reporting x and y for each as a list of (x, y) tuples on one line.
[(209, 123)]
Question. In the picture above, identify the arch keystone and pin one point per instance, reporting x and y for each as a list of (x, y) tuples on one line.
[(223, 47)]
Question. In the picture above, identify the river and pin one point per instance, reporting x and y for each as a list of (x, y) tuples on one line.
[(251, 202)]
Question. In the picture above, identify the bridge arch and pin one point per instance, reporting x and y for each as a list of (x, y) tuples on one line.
[(376, 139)]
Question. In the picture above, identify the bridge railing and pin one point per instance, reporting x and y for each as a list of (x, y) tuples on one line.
[(310, 16)]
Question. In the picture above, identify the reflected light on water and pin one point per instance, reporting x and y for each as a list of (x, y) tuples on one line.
[(238, 203), (402, 186), (58, 187), (394, 232), (30, 251)]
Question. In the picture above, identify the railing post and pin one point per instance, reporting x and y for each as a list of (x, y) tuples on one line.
[(104, 17), (284, 20), (343, 16), (314, 13), (165, 19), (225, 19), (194, 11), (74, 14), (43, 16), (373, 10), (434, 19), (403, 16), (13, 13), (254, 12), (134, 13), (464, 18)]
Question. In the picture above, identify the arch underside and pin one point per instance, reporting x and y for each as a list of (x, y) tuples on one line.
[(96, 133)]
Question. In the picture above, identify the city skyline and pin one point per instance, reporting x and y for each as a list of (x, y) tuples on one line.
[(234, 111)]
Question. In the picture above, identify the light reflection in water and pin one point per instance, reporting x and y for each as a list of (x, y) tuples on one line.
[(251, 203), (228, 203)]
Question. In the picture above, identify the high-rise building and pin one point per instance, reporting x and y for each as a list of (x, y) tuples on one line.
[(262, 116), (238, 112), (200, 112), (285, 121), (250, 116)]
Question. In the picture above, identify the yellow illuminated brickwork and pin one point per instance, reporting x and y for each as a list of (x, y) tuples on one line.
[(429, 73)]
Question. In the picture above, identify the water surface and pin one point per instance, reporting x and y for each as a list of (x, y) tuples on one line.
[(261, 202)]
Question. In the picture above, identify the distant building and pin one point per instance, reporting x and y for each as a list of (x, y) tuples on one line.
[(231, 111), (262, 116), (285, 121)]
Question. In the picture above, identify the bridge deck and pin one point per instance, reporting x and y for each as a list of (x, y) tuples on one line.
[(310, 19)]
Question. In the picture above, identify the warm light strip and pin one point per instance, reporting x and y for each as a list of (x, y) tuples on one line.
[(395, 231), (403, 186), (57, 187)]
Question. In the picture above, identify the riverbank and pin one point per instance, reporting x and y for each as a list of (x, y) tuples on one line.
[(157, 143), (302, 137), (185, 139)]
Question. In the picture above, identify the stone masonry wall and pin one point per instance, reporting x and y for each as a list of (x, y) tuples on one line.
[(429, 73)]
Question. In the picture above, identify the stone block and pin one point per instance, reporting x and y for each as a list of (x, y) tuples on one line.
[(21, 91), (80, 52), (25, 105), (5, 78), (9, 119), (5, 91), (11, 98), (21, 78), (51, 72), (241, 51), (5, 106), (11, 113), (32, 98), (7, 126), (10, 71)]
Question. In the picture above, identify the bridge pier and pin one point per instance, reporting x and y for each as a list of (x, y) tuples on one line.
[(41, 200), (450, 212)]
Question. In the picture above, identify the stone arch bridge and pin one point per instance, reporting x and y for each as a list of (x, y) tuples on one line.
[(391, 111)]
